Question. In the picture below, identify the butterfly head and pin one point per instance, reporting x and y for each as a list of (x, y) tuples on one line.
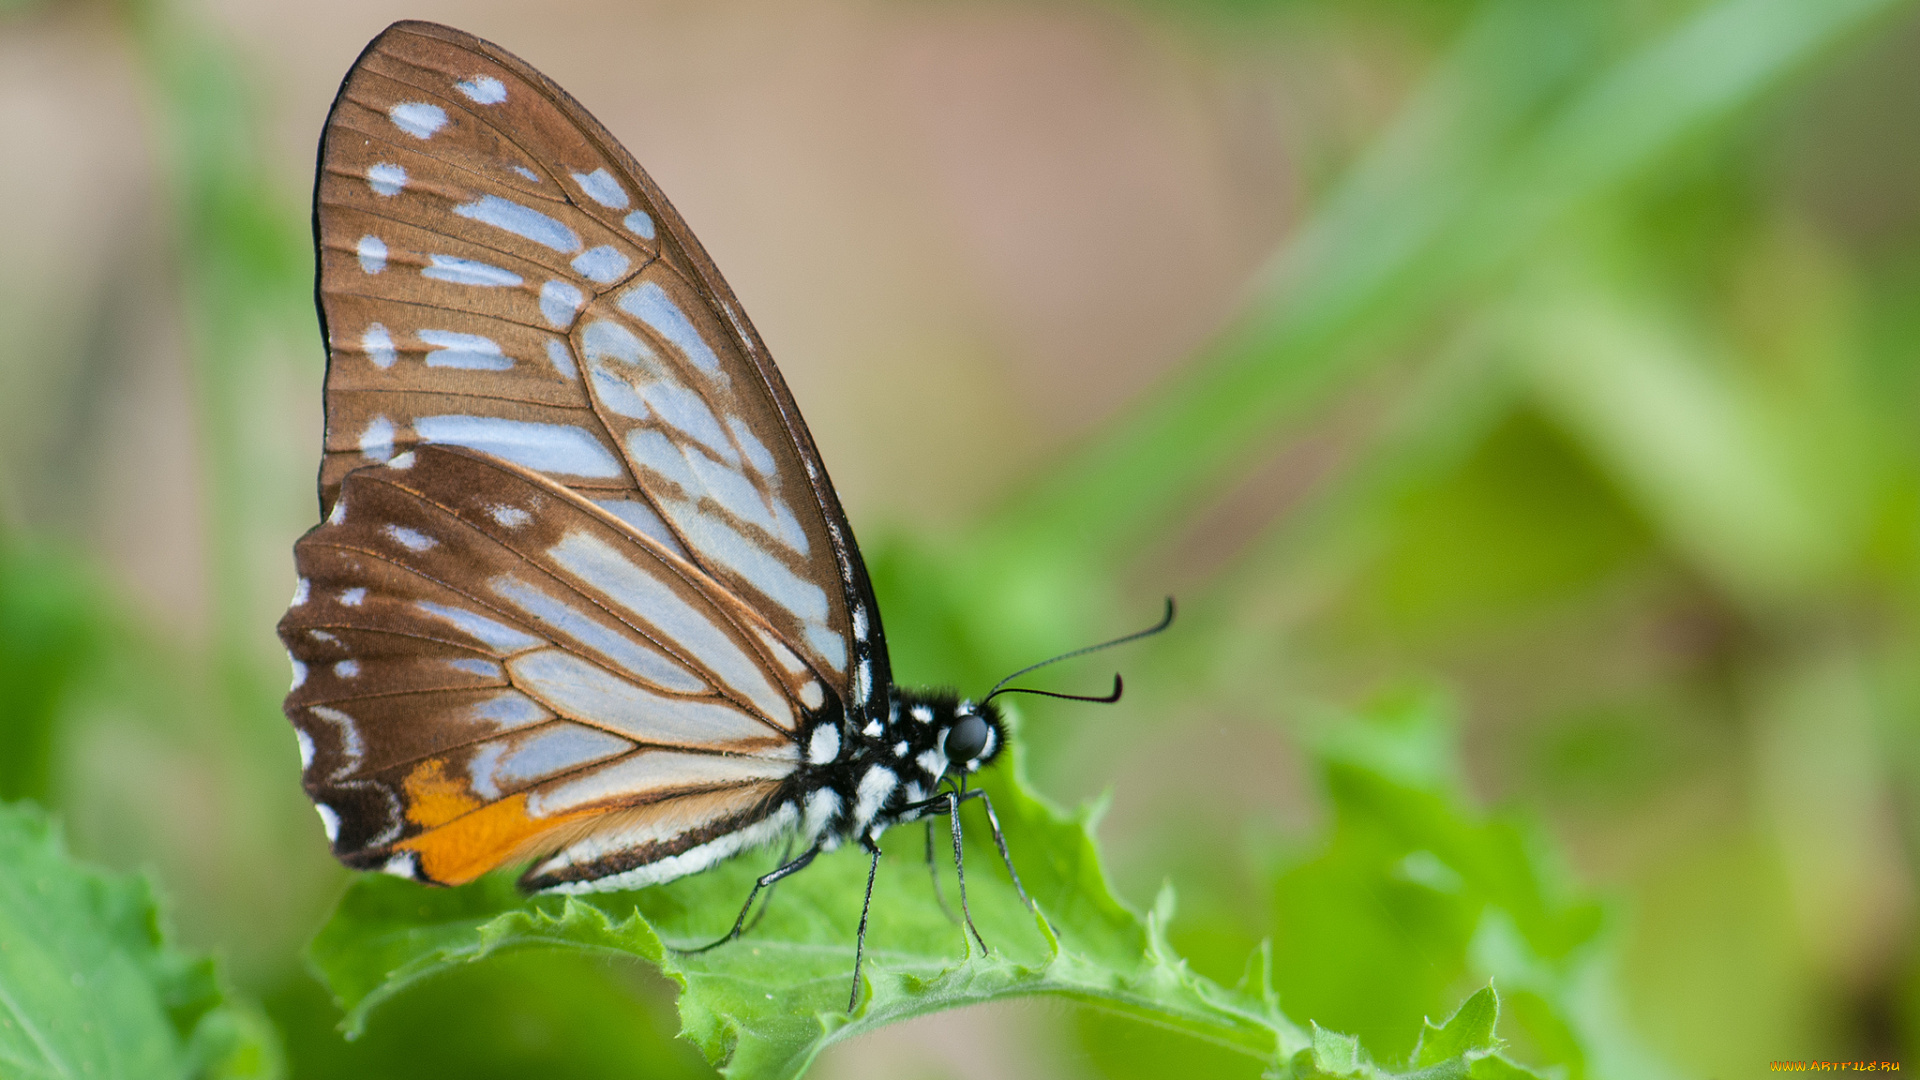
[(974, 737)]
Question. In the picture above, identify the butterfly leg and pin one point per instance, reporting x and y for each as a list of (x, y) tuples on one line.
[(786, 854), (960, 870), (933, 871), (860, 939), (767, 881), (949, 804), (999, 841)]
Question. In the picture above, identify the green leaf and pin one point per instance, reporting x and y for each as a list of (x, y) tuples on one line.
[(89, 985), (1468, 1032), (766, 1005), (1461, 1049)]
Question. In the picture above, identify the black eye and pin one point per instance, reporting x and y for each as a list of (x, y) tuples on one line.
[(967, 738)]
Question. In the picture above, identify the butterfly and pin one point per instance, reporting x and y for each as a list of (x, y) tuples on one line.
[(583, 596)]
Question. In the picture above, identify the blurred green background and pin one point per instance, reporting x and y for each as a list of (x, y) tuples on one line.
[(1558, 356)]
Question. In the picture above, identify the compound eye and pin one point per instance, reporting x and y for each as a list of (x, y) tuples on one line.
[(967, 738)]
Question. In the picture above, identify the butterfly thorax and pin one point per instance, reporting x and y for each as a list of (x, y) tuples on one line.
[(860, 784)]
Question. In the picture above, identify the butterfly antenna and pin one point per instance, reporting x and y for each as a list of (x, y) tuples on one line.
[(1001, 687)]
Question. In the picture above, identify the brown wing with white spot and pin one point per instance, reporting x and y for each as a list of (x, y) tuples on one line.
[(488, 667), (497, 273)]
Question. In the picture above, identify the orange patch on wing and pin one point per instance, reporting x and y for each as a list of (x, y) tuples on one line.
[(433, 797), (495, 834)]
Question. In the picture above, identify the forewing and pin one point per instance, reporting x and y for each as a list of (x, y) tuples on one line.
[(488, 667), (496, 272)]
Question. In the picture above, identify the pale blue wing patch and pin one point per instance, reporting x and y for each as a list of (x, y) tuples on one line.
[(472, 352), (549, 448), (483, 90), (581, 690), (604, 265), (600, 186), (522, 221), (655, 774), (649, 603), (649, 303), (418, 118), (507, 765), (372, 253), (567, 624), (643, 519), (460, 271)]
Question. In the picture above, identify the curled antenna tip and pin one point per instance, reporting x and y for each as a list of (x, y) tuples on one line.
[(1104, 699)]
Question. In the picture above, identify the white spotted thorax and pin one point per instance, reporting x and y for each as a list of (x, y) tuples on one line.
[(583, 598)]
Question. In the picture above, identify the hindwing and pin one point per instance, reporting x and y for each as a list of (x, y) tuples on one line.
[(489, 667), (497, 273)]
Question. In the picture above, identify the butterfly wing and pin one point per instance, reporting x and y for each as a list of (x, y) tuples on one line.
[(583, 584), (497, 272), (489, 667)]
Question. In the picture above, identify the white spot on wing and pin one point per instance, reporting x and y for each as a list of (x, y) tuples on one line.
[(346, 669), (640, 224), (811, 695), (483, 90), (468, 272), (353, 597), (528, 173), (557, 448), (418, 118), (521, 221), (329, 821), (386, 179), (602, 188), (406, 864), (470, 352), (411, 539), (510, 516), (299, 674), (351, 748), (376, 443), (372, 253), (378, 345), (860, 622), (301, 590), (306, 748)]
